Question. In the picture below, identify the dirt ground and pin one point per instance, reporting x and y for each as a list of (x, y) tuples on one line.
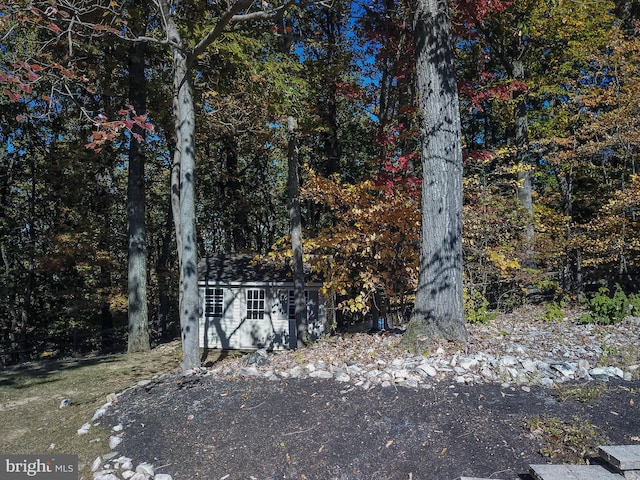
[(203, 427)]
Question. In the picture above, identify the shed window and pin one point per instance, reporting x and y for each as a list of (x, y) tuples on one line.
[(255, 304), (213, 302)]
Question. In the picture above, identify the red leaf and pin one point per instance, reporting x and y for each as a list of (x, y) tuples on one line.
[(26, 88), (14, 97), (21, 118), (54, 27), (36, 68)]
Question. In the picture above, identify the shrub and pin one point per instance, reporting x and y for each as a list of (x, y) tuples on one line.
[(554, 311), (476, 307), (604, 309)]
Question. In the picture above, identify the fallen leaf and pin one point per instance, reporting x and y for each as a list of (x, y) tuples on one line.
[(443, 452), (389, 443)]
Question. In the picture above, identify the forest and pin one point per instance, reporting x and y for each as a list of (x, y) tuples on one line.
[(138, 136)]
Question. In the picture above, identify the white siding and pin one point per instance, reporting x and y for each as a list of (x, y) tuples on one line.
[(234, 331)]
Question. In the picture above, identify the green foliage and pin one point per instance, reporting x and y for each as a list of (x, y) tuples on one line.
[(581, 393), (605, 309), (554, 311), (476, 307), (567, 441)]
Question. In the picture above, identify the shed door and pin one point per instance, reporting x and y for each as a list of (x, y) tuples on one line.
[(257, 328)]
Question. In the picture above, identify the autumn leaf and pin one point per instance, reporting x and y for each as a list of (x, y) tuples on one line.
[(54, 27)]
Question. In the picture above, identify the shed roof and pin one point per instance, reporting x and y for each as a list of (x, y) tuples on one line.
[(244, 268)]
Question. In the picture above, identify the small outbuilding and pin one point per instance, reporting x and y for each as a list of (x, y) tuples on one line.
[(248, 304)]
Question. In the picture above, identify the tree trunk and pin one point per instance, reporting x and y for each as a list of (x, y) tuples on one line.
[(163, 275), (525, 187), (184, 160), (296, 241), (438, 311), (138, 339)]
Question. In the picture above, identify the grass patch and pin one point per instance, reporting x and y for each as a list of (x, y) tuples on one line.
[(581, 393), (571, 442), (30, 395)]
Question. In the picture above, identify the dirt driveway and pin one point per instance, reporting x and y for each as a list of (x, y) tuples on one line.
[(203, 427)]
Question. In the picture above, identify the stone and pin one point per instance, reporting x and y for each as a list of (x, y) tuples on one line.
[(114, 442), (97, 463), (427, 370), (565, 369), (65, 402), (163, 476), (145, 469), (257, 358), (250, 372), (84, 429), (104, 476), (320, 374)]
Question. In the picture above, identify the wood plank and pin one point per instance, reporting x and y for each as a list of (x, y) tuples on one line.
[(623, 457), (573, 472)]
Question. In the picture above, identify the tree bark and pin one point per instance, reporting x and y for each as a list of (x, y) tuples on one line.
[(184, 160), (295, 221), (525, 187), (438, 311), (138, 338)]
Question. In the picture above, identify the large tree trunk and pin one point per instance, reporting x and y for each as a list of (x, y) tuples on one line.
[(295, 220), (138, 339), (438, 311), (184, 160)]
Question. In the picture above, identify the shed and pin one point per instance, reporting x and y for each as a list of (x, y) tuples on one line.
[(248, 304)]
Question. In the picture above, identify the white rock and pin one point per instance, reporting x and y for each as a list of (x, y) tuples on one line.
[(320, 374), (84, 429), (117, 428), (139, 476), (343, 377), (104, 476), (508, 361), (127, 474), (468, 363), (97, 463), (99, 413), (427, 369), (145, 469), (250, 372), (163, 476), (566, 369), (114, 442)]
